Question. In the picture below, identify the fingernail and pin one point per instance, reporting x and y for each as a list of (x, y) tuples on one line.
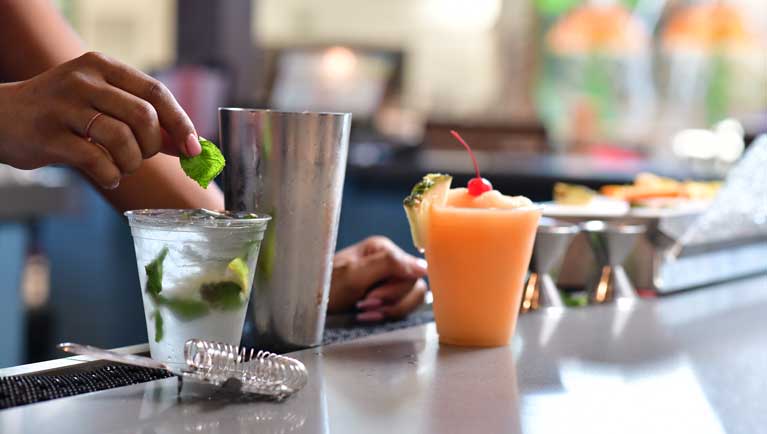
[(370, 316), (421, 263), (192, 145), (368, 303), (113, 185)]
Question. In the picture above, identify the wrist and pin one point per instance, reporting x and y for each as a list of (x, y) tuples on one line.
[(9, 120)]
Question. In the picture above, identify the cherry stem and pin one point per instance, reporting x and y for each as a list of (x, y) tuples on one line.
[(471, 154)]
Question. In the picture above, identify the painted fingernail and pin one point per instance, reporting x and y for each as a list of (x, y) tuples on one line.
[(370, 316), (369, 303), (192, 145), (422, 263), (114, 185)]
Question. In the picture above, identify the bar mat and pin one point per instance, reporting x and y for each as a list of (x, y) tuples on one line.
[(346, 333), (28, 389)]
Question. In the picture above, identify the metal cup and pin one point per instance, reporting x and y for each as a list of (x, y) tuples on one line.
[(551, 241), (290, 166), (611, 243)]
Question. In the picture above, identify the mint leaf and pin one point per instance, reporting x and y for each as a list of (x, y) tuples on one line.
[(206, 165), (154, 273), (222, 295), (185, 309), (158, 326), (575, 300), (267, 251)]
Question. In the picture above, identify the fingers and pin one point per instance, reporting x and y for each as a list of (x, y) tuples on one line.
[(118, 139), (390, 292), (91, 159), (377, 310), (408, 303), (375, 264), (383, 260), (138, 114), (170, 114)]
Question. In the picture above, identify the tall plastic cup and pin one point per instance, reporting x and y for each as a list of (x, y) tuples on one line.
[(478, 258), (196, 269)]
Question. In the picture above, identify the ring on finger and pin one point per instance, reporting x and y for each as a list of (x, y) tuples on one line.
[(90, 124)]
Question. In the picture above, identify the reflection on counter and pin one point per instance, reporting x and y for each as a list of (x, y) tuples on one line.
[(199, 409)]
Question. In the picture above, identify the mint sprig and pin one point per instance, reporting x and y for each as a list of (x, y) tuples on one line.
[(154, 273), (186, 309), (205, 166), (222, 295), (159, 330)]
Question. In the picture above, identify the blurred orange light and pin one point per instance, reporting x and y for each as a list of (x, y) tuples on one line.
[(339, 62)]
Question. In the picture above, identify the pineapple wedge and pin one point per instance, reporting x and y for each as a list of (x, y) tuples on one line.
[(432, 189)]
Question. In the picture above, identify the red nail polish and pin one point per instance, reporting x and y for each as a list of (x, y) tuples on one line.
[(370, 316), (368, 303)]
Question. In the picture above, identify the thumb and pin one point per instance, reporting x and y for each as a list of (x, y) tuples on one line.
[(391, 263), (190, 148)]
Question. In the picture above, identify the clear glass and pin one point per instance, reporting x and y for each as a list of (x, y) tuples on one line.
[(196, 270)]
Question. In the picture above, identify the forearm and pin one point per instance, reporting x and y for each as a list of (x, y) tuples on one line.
[(160, 183), (9, 123), (33, 38)]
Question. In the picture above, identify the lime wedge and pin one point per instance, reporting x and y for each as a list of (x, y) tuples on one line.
[(238, 270)]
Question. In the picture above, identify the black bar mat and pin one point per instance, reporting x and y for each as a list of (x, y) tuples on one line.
[(28, 389), (347, 332)]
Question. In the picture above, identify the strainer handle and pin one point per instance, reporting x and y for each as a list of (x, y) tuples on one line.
[(100, 353)]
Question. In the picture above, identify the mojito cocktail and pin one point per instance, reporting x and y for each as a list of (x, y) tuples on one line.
[(196, 270)]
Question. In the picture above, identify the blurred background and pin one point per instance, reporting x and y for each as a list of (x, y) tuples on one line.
[(590, 92)]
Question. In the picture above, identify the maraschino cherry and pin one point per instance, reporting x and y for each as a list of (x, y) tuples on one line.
[(478, 184)]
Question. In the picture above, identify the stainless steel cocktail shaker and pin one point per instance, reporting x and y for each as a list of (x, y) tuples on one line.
[(290, 166)]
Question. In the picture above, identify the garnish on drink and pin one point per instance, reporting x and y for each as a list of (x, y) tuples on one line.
[(478, 244), (432, 189), (478, 184)]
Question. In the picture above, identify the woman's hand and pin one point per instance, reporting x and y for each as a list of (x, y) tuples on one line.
[(44, 120), (378, 278)]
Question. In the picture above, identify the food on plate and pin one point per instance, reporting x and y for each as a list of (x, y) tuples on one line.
[(573, 194), (650, 189)]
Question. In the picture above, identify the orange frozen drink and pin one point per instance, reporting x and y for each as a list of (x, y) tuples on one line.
[(478, 244), (478, 254)]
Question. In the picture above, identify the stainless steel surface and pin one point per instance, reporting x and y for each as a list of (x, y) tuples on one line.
[(100, 353), (688, 363), (610, 243), (261, 373), (290, 166), (245, 370), (551, 241), (66, 363), (656, 264)]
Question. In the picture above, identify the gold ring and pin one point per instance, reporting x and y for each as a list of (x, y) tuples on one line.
[(90, 124)]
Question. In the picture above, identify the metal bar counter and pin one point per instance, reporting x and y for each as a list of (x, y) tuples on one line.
[(691, 362)]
